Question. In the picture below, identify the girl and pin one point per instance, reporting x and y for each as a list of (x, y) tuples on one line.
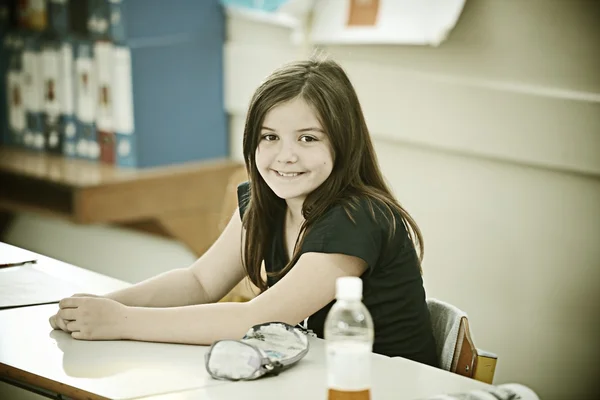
[(315, 208)]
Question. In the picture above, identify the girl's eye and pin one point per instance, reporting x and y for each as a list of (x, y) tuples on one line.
[(269, 137), (308, 139)]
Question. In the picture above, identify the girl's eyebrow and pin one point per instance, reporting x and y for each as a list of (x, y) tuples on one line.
[(313, 129)]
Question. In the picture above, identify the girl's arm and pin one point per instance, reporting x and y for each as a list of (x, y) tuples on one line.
[(173, 288), (207, 280), (308, 287)]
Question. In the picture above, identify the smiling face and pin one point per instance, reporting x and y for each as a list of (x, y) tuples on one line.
[(294, 156)]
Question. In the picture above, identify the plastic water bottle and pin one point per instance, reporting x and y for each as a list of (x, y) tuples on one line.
[(349, 343)]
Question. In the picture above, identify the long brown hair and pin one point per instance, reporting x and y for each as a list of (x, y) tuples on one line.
[(323, 84)]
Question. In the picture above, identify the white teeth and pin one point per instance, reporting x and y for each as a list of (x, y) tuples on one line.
[(288, 175)]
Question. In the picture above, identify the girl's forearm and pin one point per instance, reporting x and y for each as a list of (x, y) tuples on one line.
[(199, 324), (178, 287)]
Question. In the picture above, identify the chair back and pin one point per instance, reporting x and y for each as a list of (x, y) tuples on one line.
[(456, 351), (230, 202)]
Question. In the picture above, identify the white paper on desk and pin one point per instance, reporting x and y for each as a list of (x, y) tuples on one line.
[(25, 285), (15, 255)]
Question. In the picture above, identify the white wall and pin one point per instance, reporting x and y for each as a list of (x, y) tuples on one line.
[(492, 141)]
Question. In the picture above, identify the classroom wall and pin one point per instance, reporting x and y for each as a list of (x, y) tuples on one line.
[(491, 141)]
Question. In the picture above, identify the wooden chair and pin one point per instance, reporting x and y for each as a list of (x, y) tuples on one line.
[(245, 290), (456, 350), (230, 202)]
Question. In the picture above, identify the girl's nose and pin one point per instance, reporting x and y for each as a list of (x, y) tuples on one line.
[(287, 153)]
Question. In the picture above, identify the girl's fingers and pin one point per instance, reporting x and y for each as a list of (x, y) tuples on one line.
[(67, 313), (62, 324), (72, 326), (52, 321), (56, 322)]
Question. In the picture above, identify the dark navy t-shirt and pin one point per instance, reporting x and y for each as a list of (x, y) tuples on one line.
[(393, 288)]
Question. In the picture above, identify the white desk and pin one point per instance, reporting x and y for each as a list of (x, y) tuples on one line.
[(46, 281), (393, 379), (32, 353)]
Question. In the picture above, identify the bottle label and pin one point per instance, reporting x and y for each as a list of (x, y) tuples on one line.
[(349, 366)]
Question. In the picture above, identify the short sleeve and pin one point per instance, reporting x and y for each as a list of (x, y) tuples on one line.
[(335, 232), (243, 195)]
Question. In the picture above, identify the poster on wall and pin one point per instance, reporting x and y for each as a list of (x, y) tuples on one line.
[(410, 22), (290, 14)]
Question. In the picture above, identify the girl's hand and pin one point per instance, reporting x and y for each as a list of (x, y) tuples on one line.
[(57, 322), (93, 318)]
